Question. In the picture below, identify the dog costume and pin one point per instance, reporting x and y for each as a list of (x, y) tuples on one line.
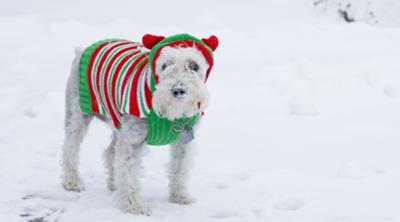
[(118, 77)]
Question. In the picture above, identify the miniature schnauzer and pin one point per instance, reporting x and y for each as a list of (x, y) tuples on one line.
[(170, 81)]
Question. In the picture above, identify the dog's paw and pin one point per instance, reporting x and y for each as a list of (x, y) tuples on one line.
[(129, 202), (73, 183), (179, 198), (138, 209)]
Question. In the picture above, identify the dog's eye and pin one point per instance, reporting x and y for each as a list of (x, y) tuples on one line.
[(193, 66), (164, 66)]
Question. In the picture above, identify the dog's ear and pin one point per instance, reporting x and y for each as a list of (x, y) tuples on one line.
[(212, 42), (151, 40)]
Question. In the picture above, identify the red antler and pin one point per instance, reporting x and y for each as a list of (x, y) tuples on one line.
[(151, 40), (212, 42)]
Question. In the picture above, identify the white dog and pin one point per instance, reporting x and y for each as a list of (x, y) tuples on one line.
[(152, 93)]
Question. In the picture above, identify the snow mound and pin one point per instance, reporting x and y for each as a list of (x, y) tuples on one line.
[(302, 106), (288, 202), (354, 170)]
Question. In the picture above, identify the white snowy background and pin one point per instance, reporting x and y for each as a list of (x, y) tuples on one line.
[(304, 123)]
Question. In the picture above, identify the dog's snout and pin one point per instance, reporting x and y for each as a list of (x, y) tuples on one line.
[(178, 90)]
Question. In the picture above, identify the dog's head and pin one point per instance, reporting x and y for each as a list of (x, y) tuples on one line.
[(181, 65)]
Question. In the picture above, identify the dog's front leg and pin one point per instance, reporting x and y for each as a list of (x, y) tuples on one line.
[(179, 166), (127, 164)]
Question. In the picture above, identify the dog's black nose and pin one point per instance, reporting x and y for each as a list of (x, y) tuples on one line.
[(178, 92)]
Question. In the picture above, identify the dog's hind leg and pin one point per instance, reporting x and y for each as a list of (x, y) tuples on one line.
[(109, 155), (180, 163), (76, 124)]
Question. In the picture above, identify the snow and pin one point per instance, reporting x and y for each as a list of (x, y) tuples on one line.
[(381, 12), (303, 123)]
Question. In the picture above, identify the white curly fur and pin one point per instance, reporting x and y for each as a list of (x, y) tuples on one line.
[(123, 155)]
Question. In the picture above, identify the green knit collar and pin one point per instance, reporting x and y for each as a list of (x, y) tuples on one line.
[(161, 131)]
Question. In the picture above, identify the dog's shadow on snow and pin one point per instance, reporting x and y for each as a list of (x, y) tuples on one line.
[(38, 207)]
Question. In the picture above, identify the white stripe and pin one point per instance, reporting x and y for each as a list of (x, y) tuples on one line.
[(143, 87), (126, 96), (148, 76)]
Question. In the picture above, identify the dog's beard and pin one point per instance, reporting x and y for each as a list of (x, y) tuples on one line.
[(194, 102)]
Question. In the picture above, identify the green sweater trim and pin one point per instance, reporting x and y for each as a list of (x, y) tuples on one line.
[(161, 131)]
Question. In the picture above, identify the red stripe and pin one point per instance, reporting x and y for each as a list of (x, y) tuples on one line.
[(105, 81), (134, 106), (117, 73), (100, 67), (95, 106), (148, 92), (129, 73)]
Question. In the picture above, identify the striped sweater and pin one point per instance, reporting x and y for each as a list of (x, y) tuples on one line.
[(117, 77)]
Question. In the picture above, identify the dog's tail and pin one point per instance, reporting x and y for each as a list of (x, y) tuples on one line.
[(78, 50)]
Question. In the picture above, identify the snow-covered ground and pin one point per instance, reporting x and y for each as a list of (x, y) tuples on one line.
[(303, 125)]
